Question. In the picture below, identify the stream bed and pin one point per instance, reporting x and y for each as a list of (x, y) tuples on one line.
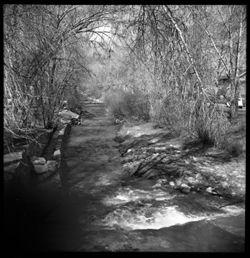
[(136, 219), (118, 212)]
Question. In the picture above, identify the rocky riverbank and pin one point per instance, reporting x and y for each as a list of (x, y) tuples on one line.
[(189, 168), (144, 192)]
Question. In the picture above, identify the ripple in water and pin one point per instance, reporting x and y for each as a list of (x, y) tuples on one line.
[(127, 195), (131, 213), (146, 219)]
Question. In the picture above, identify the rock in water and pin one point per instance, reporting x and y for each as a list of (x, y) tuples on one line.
[(172, 183), (67, 115), (224, 184), (40, 169), (52, 165), (209, 189), (49, 166), (57, 154), (198, 176), (178, 182), (191, 180), (39, 161), (184, 188)]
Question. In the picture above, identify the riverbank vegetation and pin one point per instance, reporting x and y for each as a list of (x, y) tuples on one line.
[(172, 65)]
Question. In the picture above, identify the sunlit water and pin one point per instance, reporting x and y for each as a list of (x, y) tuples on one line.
[(126, 195), (137, 209), (119, 213)]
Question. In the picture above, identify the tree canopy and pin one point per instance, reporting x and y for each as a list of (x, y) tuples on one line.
[(55, 52)]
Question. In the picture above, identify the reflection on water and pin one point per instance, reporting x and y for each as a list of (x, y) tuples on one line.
[(105, 200), (233, 210), (127, 195)]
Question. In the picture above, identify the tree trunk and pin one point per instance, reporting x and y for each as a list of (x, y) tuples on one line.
[(235, 82)]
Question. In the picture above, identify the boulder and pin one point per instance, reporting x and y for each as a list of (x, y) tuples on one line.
[(163, 180), (57, 154), (67, 114), (178, 182), (61, 132), (52, 165), (191, 180), (195, 159), (224, 184), (158, 184), (131, 167), (40, 169), (184, 188), (172, 183), (233, 193), (198, 176), (209, 189), (163, 148), (65, 121), (39, 161), (165, 160)]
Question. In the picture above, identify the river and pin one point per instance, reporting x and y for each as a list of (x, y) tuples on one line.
[(116, 212)]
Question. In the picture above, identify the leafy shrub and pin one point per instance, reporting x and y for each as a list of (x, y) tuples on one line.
[(171, 112), (209, 123), (189, 118), (129, 105)]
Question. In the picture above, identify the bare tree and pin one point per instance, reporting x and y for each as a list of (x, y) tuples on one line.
[(43, 55)]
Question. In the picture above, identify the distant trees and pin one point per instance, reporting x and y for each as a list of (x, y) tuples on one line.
[(224, 30), (232, 39), (173, 52), (185, 50), (45, 59)]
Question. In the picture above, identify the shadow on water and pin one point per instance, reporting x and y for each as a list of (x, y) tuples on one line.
[(40, 221), (128, 215), (137, 218)]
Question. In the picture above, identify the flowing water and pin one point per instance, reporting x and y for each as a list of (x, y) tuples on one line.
[(116, 212)]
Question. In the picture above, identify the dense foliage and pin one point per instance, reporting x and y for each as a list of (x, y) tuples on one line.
[(155, 62)]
